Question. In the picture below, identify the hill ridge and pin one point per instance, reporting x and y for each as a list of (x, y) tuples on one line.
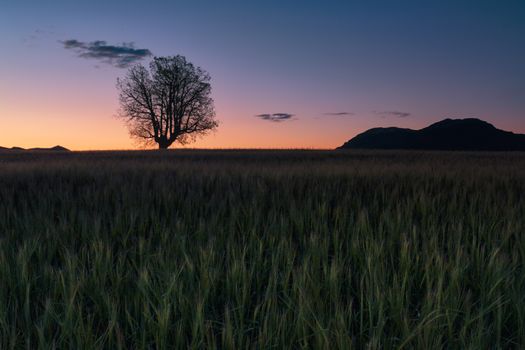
[(468, 134), (56, 148)]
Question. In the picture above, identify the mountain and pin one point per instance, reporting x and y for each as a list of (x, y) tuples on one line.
[(51, 149), (54, 149), (469, 134)]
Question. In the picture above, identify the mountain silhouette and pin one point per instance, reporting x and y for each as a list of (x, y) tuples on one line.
[(56, 149), (469, 134), (52, 149)]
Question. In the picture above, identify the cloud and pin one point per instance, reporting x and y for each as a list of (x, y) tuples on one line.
[(340, 114), (275, 117), (396, 114), (119, 56)]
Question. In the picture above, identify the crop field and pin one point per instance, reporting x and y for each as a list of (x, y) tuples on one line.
[(262, 250)]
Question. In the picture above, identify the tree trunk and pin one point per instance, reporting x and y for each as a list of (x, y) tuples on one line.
[(163, 144)]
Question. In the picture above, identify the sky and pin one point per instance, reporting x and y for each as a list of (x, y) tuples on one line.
[(332, 68)]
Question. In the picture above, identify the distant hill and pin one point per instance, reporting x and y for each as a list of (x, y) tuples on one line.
[(51, 149), (56, 148), (469, 134)]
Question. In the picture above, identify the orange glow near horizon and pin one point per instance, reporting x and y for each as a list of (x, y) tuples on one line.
[(109, 133), (82, 117), (98, 129), (88, 122)]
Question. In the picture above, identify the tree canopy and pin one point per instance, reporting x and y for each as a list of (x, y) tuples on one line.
[(170, 102)]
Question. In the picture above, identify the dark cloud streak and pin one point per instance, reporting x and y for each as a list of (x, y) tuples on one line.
[(275, 117), (396, 114), (121, 56), (340, 114)]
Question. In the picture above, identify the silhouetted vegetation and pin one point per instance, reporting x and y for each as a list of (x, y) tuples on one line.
[(262, 249), (169, 103), (450, 135)]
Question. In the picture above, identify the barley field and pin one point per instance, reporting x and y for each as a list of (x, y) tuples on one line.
[(241, 249)]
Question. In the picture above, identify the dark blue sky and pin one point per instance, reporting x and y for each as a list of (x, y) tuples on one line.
[(424, 60)]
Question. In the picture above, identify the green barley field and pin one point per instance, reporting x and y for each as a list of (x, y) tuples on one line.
[(261, 249)]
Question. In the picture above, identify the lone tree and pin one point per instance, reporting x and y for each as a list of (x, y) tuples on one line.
[(170, 102)]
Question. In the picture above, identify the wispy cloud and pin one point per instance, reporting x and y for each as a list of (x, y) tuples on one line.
[(37, 35), (340, 114), (396, 114), (275, 117), (120, 56)]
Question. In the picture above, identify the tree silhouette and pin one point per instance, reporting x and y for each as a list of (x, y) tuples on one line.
[(170, 102)]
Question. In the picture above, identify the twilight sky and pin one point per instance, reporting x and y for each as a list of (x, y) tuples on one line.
[(339, 67)]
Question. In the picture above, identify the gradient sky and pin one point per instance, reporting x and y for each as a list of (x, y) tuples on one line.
[(373, 63)]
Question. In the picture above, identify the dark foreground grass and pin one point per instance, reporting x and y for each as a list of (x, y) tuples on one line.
[(262, 249)]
